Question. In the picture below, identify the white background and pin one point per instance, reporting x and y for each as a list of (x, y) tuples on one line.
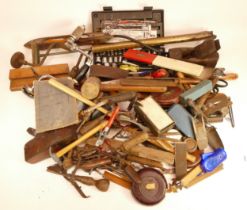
[(26, 186)]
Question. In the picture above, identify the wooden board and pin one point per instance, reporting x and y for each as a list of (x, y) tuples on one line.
[(152, 154), (19, 84), (21, 73)]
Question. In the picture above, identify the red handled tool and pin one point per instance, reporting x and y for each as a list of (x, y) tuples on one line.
[(192, 69), (159, 73), (105, 131)]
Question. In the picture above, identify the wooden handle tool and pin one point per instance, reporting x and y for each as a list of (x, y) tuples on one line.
[(74, 94), (90, 133)]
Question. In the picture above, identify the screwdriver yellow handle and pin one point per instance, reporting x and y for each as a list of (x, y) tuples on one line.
[(129, 68)]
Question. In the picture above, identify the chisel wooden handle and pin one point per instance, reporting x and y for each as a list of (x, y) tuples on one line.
[(139, 138), (117, 180), (230, 76), (191, 175), (95, 163), (100, 184)]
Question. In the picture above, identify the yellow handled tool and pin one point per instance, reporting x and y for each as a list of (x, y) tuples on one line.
[(74, 94), (90, 133)]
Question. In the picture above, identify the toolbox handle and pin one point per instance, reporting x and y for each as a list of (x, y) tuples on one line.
[(108, 9), (147, 8)]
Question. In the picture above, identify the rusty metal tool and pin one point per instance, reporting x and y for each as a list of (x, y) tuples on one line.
[(18, 59), (100, 184)]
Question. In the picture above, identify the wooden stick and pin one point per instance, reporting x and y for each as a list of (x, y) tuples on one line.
[(181, 76), (145, 161), (117, 87), (162, 144), (150, 82), (167, 146), (74, 94), (191, 175), (90, 133), (155, 41)]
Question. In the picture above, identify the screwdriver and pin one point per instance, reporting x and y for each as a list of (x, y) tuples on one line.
[(134, 68)]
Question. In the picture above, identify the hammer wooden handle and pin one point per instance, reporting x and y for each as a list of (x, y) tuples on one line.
[(117, 180), (74, 94), (191, 175), (139, 138)]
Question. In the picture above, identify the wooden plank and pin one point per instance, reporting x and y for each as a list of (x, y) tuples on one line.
[(107, 72), (147, 82), (18, 84), (21, 73), (152, 154)]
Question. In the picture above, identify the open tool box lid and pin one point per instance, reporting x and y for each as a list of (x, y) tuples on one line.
[(147, 14)]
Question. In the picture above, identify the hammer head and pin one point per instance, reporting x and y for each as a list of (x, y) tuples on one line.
[(54, 157)]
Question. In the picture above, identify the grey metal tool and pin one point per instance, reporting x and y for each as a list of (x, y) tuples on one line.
[(71, 44), (54, 157), (128, 119), (182, 119)]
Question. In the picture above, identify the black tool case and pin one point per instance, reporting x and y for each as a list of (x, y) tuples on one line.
[(147, 14)]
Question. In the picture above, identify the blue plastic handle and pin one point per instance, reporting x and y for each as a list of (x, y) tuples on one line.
[(211, 160)]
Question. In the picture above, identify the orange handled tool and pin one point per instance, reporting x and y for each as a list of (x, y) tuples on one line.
[(105, 131)]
